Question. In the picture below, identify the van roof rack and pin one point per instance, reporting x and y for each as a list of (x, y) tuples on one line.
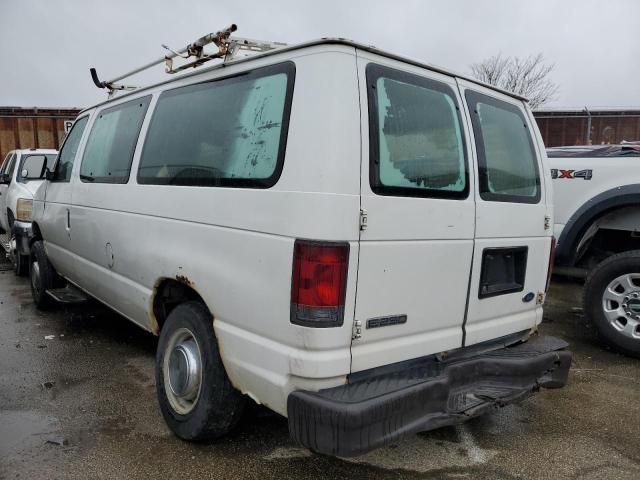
[(228, 48)]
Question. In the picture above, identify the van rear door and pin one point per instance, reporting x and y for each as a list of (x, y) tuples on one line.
[(513, 235), (418, 197)]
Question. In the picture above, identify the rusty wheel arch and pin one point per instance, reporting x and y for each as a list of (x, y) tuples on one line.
[(168, 293)]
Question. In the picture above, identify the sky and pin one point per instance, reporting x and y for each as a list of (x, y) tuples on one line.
[(48, 46)]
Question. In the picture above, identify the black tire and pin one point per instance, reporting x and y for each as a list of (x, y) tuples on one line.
[(44, 278), (599, 278), (219, 405), (20, 264)]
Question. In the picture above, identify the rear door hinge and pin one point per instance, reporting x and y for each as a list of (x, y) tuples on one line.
[(547, 222), (363, 219), (357, 330)]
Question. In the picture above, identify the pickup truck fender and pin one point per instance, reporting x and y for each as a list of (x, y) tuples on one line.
[(583, 218)]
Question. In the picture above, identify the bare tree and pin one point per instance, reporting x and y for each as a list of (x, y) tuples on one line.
[(529, 77)]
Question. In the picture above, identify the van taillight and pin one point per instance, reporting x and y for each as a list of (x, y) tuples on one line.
[(552, 262), (319, 283)]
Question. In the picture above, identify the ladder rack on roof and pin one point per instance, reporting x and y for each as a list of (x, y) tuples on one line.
[(228, 48)]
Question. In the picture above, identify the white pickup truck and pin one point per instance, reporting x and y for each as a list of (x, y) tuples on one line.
[(597, 224)]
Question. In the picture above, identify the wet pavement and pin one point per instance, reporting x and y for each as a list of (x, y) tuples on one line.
[(77, 400)]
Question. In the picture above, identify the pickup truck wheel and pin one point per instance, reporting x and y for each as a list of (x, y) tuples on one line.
[(612, 301), (196, 397), (42, 276)]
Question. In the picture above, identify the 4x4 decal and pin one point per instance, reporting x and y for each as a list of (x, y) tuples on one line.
[(559, 173)]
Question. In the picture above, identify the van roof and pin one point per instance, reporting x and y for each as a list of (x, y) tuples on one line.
[(313, 43)]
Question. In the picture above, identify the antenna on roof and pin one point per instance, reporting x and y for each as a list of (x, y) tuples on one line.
[(228, 48)]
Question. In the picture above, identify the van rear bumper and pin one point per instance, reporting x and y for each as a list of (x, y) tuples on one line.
[(357, 417)]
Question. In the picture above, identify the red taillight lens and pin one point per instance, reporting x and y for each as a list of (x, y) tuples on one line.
[(319, 283), (552, 261)]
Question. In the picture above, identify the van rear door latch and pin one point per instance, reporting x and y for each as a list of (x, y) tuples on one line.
[(363, 219), (357, 330)]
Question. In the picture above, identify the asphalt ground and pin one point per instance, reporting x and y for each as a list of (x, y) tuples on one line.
[(77, 401)]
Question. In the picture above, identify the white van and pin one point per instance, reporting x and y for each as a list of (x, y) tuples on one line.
[(21, 173), (358, 241)]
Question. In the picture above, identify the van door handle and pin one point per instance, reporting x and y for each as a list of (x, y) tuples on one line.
[(68, 219)]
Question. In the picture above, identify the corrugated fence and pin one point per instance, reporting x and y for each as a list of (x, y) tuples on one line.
[(33, 127), (588, 127)]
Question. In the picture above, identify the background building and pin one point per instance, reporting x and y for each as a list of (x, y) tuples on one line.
[(586, 126), (33, 127)]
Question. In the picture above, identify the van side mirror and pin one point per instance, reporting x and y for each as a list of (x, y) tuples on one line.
[(48, 174), (4, 178)]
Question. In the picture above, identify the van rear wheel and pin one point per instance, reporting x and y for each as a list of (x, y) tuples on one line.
[(195, 395), (612, 301)]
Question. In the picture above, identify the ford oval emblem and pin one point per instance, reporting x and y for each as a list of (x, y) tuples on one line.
[(528, 297)]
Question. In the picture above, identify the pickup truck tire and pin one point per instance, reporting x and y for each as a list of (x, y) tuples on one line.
[(42, 277), (21, 265), (612, 301), (196, 397), (20, 262)]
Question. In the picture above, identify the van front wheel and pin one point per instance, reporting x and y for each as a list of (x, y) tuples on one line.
[(612, 301), (196, 397)]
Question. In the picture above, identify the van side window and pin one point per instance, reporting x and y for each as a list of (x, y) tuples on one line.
[(67, 155), (112, 141), (507, 161), (228, 132), (415, 136)]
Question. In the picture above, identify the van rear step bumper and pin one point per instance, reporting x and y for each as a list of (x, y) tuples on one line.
[(357, 417)]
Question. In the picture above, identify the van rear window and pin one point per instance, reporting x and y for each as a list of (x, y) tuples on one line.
[(229, 132), (507, 161), (415, 136)]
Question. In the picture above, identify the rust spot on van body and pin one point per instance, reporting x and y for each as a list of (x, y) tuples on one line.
[(153, 321), (184, 279)]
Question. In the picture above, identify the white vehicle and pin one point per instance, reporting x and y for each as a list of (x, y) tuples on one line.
[(307, 227), (597, 224), (21, 173)]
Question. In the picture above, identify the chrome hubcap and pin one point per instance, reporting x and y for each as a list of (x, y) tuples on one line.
[(621, 304), (182, 371)]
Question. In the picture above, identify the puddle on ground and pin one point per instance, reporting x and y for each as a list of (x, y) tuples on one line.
[(425, 453), (22, 430)]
